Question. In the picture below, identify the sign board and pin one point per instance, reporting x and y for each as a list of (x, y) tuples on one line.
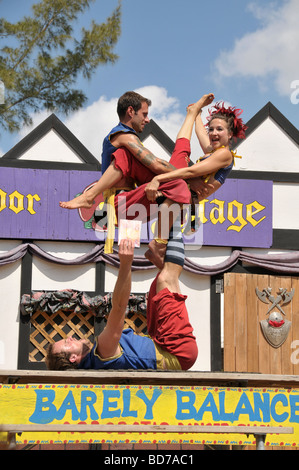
[(238, 214), (150, 405)]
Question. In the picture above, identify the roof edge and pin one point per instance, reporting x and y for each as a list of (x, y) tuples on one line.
[(269, 110), (51, 122)]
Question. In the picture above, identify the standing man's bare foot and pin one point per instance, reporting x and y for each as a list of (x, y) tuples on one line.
[(156, 253)]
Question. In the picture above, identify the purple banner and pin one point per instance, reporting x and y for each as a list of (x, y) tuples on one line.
[(238, 214)]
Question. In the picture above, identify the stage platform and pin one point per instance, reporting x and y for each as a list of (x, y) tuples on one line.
[(149, 377)]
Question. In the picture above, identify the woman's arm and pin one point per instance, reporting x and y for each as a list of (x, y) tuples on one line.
[(202, 189), (202, 135), (220, 159)]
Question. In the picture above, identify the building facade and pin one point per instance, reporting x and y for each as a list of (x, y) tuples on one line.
[(248, 228)]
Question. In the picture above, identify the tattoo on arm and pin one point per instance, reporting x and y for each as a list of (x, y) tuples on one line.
[(147, 158)]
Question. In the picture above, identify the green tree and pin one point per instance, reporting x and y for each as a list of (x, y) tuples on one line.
[(41, 60)]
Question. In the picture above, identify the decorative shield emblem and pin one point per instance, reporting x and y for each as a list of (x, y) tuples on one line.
[(275, 328)]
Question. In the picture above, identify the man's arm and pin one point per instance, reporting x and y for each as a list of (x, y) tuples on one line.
[(108, 340), (141, 153)]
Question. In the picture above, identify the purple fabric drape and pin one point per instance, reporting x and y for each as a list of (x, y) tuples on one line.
[(281, 263)]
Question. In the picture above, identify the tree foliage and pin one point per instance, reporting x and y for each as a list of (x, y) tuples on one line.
[(41, 59)]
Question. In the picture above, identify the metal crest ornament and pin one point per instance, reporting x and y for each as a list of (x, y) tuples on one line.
[(275, 328)]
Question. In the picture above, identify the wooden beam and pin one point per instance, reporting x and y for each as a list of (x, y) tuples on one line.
[(127, 428), (148, 377)]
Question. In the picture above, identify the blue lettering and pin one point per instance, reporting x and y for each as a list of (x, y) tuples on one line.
[(88, 399), (149, 402), (294, 417), (185, 405), (262, 404), (107, 404), (127, 402), (68, 404), (279, 398), (44, 411), (244, 407), (223, 416), (208, 405)]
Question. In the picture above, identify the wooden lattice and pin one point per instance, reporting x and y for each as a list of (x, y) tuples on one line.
[(137, 322), (47, 329)]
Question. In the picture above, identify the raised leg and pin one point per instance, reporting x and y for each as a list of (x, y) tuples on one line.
[(109, 179), (193, 111)]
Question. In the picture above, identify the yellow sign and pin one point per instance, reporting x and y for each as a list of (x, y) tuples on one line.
[(150, 405)]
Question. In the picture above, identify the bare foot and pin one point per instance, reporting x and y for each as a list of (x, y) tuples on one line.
[(77, 202), (156, 253), (205, 100)]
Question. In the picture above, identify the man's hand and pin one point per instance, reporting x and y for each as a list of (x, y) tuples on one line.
[(126, 252), (151, 190), (201, 188)]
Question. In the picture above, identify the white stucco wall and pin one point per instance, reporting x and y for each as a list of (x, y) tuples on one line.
[(51, 276), (10, 283), (51, 148), (285, 204), (268, 148), (45, 276)]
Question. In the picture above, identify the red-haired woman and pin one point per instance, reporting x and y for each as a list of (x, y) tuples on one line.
[(224, 124)]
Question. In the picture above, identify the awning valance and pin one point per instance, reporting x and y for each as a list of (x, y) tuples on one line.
[(287, 263)]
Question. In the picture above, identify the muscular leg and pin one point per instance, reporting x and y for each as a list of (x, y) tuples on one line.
[(167, 317), (110, 178), (167, 278)]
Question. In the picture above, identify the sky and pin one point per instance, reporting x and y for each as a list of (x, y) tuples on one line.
[(174, 51)]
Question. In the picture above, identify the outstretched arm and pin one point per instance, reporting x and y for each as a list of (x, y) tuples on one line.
[(220, 159), (108, 340), (202, 135)]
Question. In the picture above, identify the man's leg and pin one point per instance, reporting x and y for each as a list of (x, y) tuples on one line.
[(169, 275), (157, 249), (167, 316)]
